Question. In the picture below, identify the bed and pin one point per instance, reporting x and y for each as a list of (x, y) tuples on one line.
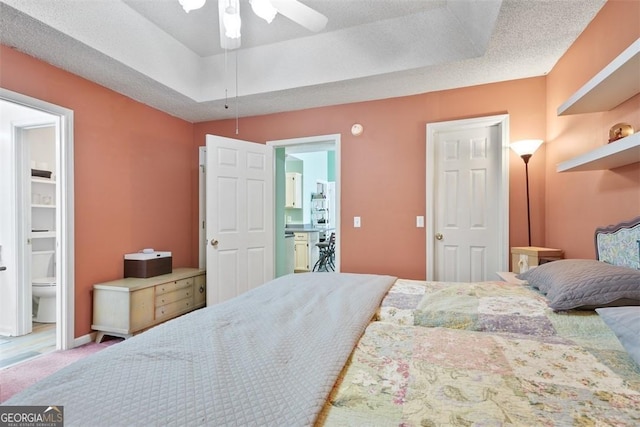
[(337, 349)]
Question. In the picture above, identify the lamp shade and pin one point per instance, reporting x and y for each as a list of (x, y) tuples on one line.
[(526, 146)]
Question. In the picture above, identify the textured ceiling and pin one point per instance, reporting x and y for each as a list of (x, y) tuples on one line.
[(154, 52)]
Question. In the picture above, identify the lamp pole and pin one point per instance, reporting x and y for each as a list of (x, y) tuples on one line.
[(526, 158)]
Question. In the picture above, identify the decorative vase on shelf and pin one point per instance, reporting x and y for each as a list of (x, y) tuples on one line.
[(619, 131)]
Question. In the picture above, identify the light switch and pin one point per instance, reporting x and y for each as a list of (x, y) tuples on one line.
[(356, 222), (420, 221)]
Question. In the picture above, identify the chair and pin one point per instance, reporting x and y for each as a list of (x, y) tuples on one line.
[(327, 254)]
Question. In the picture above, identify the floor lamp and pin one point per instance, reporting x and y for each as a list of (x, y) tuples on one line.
[(525, 149)]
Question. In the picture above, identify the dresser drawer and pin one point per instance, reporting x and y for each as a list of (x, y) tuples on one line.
[(174, 286), (174, 308), (169, 297), (200, 291)]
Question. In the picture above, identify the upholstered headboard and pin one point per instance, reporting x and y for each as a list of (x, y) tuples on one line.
[(619, 244)]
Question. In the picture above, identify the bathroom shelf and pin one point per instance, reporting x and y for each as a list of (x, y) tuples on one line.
[(43, 181), (43, 252), (43, 234), (622, 152), (43, 206), (613, 85)]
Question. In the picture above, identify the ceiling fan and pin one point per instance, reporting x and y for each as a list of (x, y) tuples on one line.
[(230, 23)]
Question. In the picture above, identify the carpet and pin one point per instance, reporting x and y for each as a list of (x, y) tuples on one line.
[(18, 377)]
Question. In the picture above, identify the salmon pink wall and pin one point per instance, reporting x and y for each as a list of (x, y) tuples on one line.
[(578, 202), (383, 171), (133, 174), (136, 175)]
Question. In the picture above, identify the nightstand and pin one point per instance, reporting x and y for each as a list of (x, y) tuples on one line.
[(522, 258)]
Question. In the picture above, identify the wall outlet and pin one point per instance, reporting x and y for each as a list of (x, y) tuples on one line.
[(420, 221), (356, 222)]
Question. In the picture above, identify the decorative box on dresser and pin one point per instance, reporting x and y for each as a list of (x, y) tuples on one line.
[(127, 306)]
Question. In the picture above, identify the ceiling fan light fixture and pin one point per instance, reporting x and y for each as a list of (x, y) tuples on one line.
[(264, 9), (189, 5), (232, 22)]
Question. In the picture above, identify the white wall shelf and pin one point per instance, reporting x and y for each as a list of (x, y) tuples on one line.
[(43, 252), (616, 83), (43, 180), (622, 152), (43, 234)]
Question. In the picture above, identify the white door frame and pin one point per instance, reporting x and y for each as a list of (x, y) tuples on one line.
[(202, 207), (316, 140), (23, 217), (502, 121), (65, 253)]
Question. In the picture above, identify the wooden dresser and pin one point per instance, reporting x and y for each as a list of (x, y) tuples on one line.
[(127, 306)]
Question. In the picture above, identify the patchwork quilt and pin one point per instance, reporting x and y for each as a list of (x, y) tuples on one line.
[(486, 353), (416, 376)]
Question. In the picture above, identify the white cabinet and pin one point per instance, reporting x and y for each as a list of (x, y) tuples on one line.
[(306, 251), (293, 195), (616, 83)]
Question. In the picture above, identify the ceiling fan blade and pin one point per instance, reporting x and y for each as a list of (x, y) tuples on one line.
[(309, 18), (225, 42)]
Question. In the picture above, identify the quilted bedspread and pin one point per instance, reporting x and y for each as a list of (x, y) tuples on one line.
[(488, 353), (267, 357)]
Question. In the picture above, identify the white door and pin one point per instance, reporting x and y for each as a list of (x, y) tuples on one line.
[(239, 216), (468, 203)]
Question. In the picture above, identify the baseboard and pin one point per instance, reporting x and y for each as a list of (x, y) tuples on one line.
[(84, 339)]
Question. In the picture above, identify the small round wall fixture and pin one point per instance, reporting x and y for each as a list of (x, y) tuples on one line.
[(357, 129)]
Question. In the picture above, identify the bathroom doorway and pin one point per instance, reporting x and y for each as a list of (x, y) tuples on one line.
[(36, 215)]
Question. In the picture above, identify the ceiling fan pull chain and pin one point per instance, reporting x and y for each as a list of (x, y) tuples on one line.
[(226, 90)]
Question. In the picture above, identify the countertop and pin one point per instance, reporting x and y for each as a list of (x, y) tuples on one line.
[(305, 228)]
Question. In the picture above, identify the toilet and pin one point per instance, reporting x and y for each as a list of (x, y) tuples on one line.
[(44, 295)]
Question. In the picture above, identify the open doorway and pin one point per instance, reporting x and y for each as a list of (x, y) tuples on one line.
[(36, 136), (323, 143), (315, 161)]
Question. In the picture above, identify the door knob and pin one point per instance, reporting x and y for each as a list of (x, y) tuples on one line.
[(214, 243), (439, 236)]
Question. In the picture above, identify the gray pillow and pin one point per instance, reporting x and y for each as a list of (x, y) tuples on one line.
[(585, 284), (625, 323)]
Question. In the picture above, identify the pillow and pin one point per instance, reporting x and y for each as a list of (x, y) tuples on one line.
[(585, 284), (625, 323)]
